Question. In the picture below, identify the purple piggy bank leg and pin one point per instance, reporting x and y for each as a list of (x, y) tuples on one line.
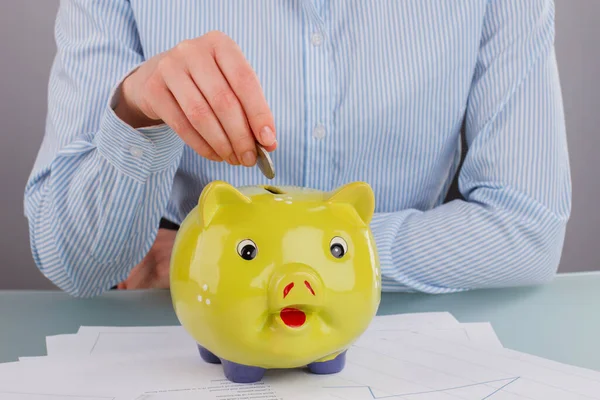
[(234, 372), (208, 356), (242, 373), (329, 367)]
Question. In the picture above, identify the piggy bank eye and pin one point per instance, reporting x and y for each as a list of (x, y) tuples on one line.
[(247, 249), (338, 247)]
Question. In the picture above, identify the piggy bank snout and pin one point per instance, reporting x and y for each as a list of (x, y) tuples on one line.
[(295, 284)]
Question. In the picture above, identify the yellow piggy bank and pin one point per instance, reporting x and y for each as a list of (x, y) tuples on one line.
[(269, 277)]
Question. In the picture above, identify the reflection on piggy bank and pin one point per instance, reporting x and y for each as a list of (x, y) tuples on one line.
[(276, 277)]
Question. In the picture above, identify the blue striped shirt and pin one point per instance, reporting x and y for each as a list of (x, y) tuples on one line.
[(375, 91)]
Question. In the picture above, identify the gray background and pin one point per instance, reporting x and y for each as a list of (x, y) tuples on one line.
[(27, 48)]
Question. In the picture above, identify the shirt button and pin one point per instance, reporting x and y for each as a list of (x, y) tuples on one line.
[(319, 131), (136, 151), (316, 39)]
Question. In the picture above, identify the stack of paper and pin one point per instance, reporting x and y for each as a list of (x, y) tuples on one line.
[(411, 356)]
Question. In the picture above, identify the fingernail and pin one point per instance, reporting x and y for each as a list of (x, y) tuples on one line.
[(248, 158), (233, 160), (267, 136)]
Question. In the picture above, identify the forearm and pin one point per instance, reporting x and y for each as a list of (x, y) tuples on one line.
[(498, 238), (98, 186), (94, 209)]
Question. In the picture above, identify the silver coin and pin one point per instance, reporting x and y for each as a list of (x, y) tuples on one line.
[(264, 162)]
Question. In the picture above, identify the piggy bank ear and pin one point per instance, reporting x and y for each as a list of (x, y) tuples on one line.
[(359, 195), (215, 195)]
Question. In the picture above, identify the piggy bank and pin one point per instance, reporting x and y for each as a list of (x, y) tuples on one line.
[(269, 277)]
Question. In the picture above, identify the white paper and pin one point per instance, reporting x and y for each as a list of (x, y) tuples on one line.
[(482, 333), (476, 334), (65, 344), (128, 378), (438, 369), (382, 364), (413, 356), (30, 396), (437, 320), (19, 381), (120, 340), (174, 340)]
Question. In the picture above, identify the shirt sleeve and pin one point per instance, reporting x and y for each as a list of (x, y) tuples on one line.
[(98, 187), (509, 229)]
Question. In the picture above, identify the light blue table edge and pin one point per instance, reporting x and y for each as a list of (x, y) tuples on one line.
[(579, 354)]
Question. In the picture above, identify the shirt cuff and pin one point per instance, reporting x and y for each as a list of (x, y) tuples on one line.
[(136, 152), (385, 227), (384, 231)]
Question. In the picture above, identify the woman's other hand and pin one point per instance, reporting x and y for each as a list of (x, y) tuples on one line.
[(153, 271)]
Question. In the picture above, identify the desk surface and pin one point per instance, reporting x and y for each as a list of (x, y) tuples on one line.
[(559, 321)]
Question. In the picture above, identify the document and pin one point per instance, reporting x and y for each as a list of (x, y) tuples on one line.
[(25, 396), (120, 340), (174, 340), (413, 366), (399, 357), (408, 365)]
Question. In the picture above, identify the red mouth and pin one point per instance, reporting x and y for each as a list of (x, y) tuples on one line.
[(293, 317)]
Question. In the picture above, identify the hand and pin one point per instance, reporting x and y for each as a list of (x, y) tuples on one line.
[(208, 93), (153, 271)]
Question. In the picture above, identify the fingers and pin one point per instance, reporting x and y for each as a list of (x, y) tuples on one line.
[(166, 107), (245, 84), (200, 115), (153, 270), (139, 277), (227, 108), (271, 147)]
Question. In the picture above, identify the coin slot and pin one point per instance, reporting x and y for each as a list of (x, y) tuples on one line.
[(273, 189)]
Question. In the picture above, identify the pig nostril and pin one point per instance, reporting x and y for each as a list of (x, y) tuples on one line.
[(287, 289), (309, 287)]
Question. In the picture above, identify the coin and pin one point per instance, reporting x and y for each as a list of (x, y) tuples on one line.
[(264, 162)]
